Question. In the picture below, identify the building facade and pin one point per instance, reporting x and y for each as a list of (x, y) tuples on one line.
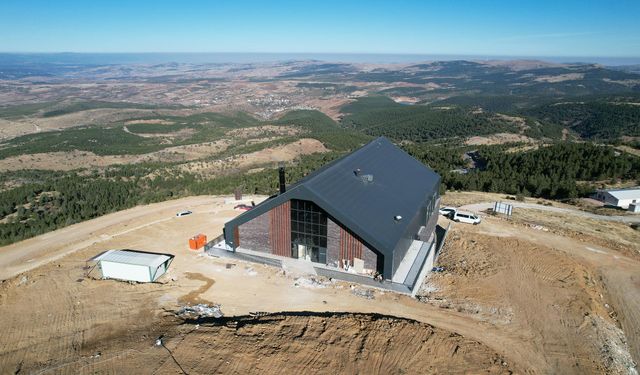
[(361, 212), (620, 197)]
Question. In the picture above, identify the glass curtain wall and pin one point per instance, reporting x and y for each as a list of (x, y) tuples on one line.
[(308, 231)]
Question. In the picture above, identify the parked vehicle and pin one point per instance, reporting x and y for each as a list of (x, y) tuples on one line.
[(466, 217), (244, 207), (447, 211), (184, 213)]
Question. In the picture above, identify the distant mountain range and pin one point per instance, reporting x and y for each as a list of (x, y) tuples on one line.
[(627, 68), (592, 100)]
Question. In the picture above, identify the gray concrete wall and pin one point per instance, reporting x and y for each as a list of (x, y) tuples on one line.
[(403, 244), (411, 234), (254, 234), (370, 258), (432, 221)]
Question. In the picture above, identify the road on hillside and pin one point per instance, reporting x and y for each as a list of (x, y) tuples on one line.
[(476, 207), (33, 252)]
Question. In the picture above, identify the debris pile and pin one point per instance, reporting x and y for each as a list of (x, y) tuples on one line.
[(613, 347), (538, 227), (309, 283), (362, 292), (23, 280), (200, 311)]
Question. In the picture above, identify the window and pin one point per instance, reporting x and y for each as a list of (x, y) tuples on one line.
[(308, 231)]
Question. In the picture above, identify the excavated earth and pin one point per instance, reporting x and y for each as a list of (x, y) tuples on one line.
[(312, 343), (512, 299)]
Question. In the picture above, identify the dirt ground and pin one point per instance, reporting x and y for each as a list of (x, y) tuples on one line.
[(631, 150), (82, 159), (560, 77), (282, 153), (462, 198), (498, 139), (512, 299), (555, 301), (329, 344), (30, 125)]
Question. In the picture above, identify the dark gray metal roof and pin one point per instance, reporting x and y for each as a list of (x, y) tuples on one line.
[(401, 186)]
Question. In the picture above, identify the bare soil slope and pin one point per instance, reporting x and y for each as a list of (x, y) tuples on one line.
[(328, 344), (554, 301), (512, 298)]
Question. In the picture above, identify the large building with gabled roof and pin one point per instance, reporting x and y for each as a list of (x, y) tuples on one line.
[(364, 211), (619, 197)]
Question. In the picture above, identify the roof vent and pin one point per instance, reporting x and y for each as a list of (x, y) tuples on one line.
[(397, 218), (357, 171), (367, 178)]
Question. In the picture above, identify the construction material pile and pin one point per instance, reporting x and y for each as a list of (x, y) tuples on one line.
[(200, 311)]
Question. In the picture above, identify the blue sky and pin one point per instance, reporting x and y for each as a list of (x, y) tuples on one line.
[(513, 28)]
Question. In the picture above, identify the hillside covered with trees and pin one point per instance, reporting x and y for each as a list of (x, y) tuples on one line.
[(383, 117), (594, 119), (548, 106)]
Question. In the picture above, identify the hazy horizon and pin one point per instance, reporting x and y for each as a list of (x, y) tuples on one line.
[(109, 58)]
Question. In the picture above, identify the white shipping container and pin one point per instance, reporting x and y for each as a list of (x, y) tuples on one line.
[(131, 265)]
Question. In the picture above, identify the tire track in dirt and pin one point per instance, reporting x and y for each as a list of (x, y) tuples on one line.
[(193, 297), (57, 324), (551, 295), (618, 273)]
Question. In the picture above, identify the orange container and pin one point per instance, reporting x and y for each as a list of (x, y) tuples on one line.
[(197, 241), (192, 244)]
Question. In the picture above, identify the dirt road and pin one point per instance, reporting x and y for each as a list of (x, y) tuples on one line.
[(29, 254), (476, 207)]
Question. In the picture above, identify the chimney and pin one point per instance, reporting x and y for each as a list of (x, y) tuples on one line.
[(283, 187)]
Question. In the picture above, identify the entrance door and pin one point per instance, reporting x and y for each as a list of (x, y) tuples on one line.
[(304, 252), (300, 251)]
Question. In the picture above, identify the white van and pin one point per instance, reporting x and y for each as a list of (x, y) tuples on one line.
[(466, 217)]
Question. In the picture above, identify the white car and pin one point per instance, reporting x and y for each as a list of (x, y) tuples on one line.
[(184, 213), (466, 217), (447, 211)]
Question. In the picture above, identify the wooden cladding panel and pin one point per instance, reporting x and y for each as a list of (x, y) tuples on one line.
[(280, 229), (236, 236), (350, 247)]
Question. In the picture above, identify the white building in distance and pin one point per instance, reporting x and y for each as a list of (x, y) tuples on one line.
[(619, 198)]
